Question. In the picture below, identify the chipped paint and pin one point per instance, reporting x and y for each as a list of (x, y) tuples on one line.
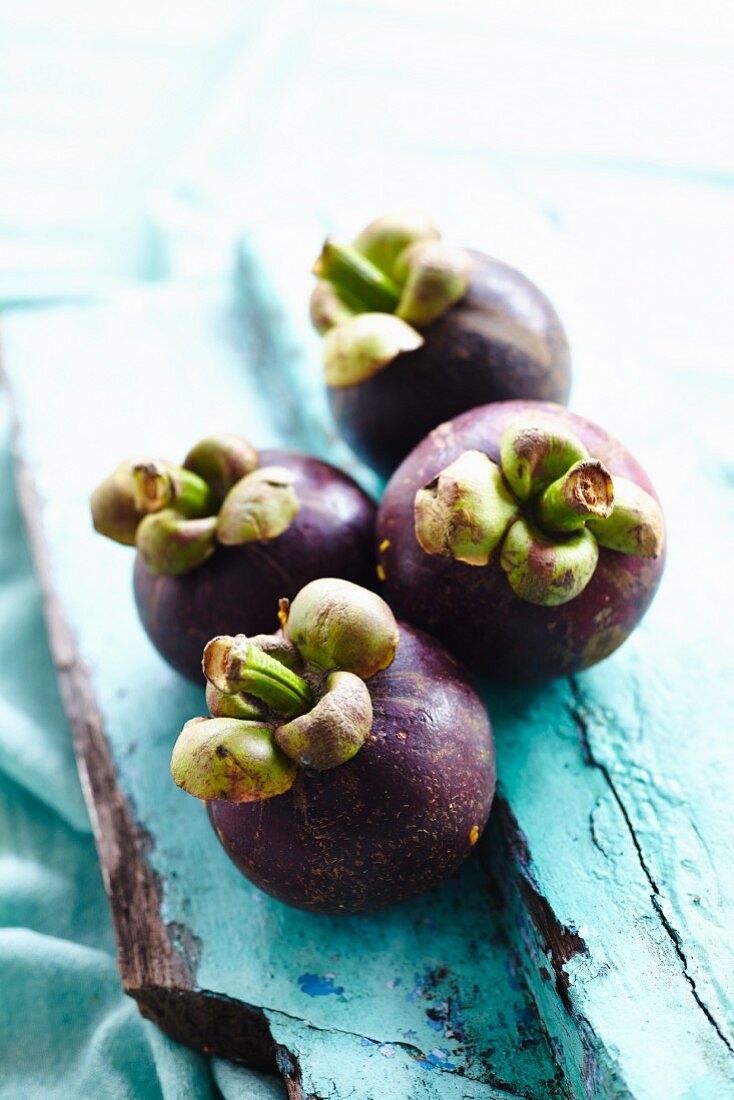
[(319, 985)]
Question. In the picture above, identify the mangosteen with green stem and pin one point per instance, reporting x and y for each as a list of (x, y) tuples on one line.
[(416, 331), (525, 537), (348, 762), (223, 536)]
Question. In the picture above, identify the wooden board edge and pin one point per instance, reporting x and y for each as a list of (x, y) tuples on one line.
[(587, 1067), (153, 971)]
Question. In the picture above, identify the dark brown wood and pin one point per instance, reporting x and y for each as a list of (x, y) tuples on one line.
[(153, 970)]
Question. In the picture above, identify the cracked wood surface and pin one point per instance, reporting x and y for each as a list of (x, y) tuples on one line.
[(422, 1002)]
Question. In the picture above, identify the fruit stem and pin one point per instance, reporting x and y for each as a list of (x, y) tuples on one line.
[(356, 278), (584, 490), (236, 665), (161, 485)]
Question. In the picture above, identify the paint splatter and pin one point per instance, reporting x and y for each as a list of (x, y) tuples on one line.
[(442, 1013), (319, 985), (445, 1016), (436, 1059)]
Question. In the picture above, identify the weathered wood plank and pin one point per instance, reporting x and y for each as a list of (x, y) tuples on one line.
[(610, 844), (423, 1001)]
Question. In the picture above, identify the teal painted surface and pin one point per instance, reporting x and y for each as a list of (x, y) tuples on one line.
[(66, 1027), (618, 779), (411, 998)]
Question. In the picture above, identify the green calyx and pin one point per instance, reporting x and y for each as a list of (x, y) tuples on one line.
[(230, 758), (258, 508), (544, 570), (533, 454), (169, 544), (334, 730), (636, 525), (176, 516), (159, 485), (464, 512), (396, 268), (222, 461), (288, 700), (434, 277), (361, 346), (542, 512), (335, 624)]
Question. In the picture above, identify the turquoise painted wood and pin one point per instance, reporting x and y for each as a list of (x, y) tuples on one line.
[(423, 1001), (611, 845), (615, 824)]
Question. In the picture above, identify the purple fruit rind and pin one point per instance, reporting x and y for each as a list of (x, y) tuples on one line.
[(473, 610), (396, 818), (502, 340), (238, 588)]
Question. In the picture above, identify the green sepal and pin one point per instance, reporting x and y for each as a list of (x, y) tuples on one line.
[(259, 508), (334, 730), (227, 758), (221, 461), (169, 544), (533, 454), (465, 510), (361, 347), (114, 503), (636, 526), (385, 238), (327, 307), (225, 705), (548, 571), (335, 624), (435, 278)]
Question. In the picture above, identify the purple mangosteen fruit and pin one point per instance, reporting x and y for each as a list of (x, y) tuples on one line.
[(416, 332), (524, 537), (348, 763), (221, 538)]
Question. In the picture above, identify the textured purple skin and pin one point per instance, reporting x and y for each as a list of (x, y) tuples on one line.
[(473, 609), (503, 340), (395, 819), (238, 588)]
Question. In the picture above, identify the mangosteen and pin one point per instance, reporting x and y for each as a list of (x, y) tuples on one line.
[(348, 763), (417, 332), (222, 537), (525, 537)]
